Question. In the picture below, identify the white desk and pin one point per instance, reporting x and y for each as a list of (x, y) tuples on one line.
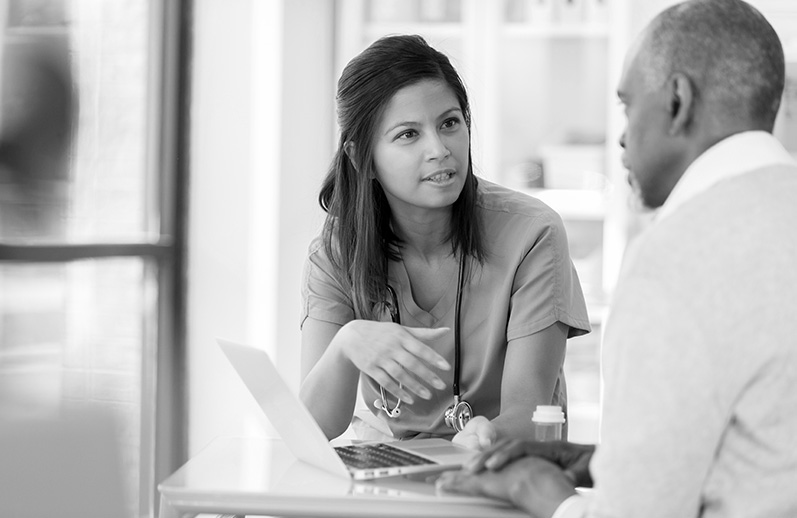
[(259, 476)]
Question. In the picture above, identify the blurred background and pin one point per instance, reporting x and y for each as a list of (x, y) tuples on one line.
[(159, 168)]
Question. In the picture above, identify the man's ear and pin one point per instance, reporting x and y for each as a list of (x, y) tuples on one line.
[(682, 103), (348, 148)]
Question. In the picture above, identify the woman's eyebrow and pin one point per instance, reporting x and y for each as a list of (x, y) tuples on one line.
[(450, 110)]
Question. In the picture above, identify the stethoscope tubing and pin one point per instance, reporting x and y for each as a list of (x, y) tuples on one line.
[(457, 312)]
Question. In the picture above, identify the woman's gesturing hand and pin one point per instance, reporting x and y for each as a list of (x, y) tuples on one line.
[(395, 356)]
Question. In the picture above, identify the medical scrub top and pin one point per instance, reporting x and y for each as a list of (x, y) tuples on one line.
[(526, 284)]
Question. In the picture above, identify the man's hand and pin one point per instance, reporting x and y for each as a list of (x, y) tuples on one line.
[(532, 484), (572, 458)]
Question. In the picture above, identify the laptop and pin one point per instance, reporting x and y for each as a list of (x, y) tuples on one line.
[(304, 438)]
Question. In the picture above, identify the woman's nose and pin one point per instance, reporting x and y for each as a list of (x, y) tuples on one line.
[(437, 148)]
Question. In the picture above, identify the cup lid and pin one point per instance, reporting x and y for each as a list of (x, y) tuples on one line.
[(548, 414)]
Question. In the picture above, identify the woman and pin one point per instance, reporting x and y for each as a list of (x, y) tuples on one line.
[(429, 286)]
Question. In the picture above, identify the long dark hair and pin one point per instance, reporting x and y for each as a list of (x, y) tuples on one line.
[(357, 233)]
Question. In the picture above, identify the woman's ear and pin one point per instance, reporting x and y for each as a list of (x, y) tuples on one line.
[(682, 103), (348, 148)]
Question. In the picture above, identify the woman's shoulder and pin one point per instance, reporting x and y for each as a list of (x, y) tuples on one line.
[(319, 264), (506, 203), (318, 252), (316, 245)]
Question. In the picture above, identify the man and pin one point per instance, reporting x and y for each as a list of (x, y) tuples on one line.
[(700, 408)]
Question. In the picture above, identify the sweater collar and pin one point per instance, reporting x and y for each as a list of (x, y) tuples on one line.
[(732, 156)]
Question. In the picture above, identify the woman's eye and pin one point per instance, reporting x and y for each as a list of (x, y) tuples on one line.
[(406, 134), (451, 123)]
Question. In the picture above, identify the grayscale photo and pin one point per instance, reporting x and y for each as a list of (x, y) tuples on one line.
[(398, 258)]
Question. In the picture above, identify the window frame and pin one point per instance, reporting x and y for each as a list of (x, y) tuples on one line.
[(164, 381)]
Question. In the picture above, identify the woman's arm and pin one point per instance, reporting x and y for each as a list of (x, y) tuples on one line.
[(329, 379), (531, 368), (395, 356)]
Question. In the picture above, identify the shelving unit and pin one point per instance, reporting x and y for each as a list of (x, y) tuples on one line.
[(573, 204)]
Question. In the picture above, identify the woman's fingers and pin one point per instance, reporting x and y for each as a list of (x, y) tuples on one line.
[(502, 453), (414, 363), (418, 347), (408, 382), (396, 357), (416, 373), (391, 386)]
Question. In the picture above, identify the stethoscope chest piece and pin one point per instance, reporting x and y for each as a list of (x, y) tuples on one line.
[(458, 414)]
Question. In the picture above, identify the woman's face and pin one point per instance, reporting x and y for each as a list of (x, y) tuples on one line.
[(421, 148)]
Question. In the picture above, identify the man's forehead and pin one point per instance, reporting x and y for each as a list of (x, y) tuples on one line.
[(633, 61)]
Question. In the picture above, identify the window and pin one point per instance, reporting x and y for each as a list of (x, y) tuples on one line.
[(92, 222)]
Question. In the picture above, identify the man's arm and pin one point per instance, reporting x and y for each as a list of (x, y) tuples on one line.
[(533, 484), (537, 477)]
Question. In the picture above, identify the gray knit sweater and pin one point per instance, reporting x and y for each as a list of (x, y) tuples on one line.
[(700, 414)]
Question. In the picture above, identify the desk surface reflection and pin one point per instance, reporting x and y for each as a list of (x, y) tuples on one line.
[(259, 476)]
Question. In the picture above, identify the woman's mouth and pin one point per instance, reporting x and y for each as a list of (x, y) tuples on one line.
[(441, 176)]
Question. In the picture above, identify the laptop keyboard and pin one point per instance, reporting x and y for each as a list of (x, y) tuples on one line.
[(371, 456)]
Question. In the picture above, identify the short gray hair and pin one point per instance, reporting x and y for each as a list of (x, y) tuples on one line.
[(727, 48)]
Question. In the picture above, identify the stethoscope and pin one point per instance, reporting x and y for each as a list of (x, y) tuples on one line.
[(459, 413)]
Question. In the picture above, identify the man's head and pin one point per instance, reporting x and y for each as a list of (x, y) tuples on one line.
[(701, 71)]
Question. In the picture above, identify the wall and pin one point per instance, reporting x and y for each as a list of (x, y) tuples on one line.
[(307, 143), (261, 140)]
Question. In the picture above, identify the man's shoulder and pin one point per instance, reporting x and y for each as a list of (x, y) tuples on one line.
[(744, 217), (766, 193)]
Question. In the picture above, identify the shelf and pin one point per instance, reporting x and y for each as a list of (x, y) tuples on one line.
[(375, 30), (513, 30), (572, 30), (580, 204)]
